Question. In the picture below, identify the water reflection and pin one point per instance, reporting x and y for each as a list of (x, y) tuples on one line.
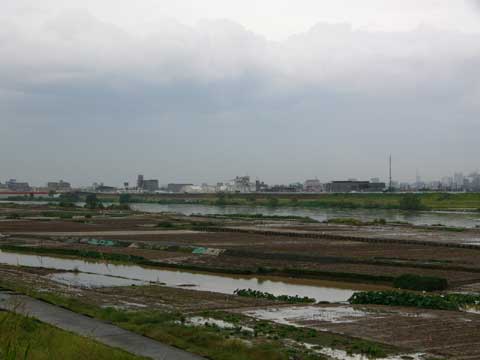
[(417, 218), (119, 275)]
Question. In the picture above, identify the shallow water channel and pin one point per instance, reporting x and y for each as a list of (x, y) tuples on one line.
[(99, 274)]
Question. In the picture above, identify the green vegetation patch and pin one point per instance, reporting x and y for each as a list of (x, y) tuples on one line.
[(27, 338), (420, 283), (426, 301), (265, 295)]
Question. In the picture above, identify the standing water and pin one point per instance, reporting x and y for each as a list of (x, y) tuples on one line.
[(95, 274)]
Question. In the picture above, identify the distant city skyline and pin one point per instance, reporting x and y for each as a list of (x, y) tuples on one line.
[(136, 180)]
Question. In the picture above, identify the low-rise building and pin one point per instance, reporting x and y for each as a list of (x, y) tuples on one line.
[(59, 186), (150, 185), (354, 186), (176, 188), (14, 185), (312, 186)]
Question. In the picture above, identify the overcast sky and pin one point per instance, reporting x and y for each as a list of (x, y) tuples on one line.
[(202, 91)]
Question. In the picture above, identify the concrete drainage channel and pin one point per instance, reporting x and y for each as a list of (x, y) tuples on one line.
[(95, 329)]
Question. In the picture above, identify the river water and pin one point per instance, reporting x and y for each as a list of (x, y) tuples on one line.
[(456, 219), (469, 220), (95, 274)]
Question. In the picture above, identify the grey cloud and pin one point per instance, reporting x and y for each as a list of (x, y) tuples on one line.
[(208, 102)]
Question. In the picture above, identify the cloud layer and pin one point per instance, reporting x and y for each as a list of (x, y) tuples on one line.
[(215, 100)]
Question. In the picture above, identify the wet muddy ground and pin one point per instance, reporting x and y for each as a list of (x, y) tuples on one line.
[(454, 335)]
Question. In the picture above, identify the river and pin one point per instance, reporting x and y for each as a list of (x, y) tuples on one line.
[(458, 219)]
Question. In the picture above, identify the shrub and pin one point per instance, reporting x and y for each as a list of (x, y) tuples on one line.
[(427, 301), (396, 298), (411, 202), (124, 198), (420, 283), (264, 295)]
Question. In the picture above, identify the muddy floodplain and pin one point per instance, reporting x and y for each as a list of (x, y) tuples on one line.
[(256, 246)]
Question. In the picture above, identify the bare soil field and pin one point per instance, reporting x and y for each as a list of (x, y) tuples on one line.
[(453, 335)]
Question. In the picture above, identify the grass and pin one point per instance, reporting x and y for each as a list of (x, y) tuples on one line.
[(27, 338), (432, 201)]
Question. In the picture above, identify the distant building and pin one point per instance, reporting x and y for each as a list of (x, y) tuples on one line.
[(292, 188), (105, 189), (140, 181), (150, 185), (176, 188), (147, 185), (355, 186), (312, 186), (14, 185), (260, 186), (59, 186), (242, 184), (192, 189)]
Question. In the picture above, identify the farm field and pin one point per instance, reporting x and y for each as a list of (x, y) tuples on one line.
[(183, 271)]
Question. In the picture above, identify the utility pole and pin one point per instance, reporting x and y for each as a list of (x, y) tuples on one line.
[(390, 174)]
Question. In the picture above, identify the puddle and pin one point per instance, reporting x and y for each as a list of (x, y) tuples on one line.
[(343, 355), (299, 315), (202, 321), (94, 274)]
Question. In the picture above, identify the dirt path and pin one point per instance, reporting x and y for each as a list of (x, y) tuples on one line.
[(100, 331)]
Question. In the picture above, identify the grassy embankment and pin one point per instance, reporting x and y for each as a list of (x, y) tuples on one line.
[(429, 201), (27, 338)]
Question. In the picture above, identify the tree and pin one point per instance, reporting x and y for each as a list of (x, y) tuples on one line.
[(124, 198), (91, 202), (70, 197), (411, 202)]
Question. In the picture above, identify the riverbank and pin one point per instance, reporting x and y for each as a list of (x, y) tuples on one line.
[(434, 201), (430, 201)]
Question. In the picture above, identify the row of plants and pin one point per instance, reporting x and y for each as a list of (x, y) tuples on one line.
[(261, 217), (420, 283), (265, 295), (355, 222), (427, 301)]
